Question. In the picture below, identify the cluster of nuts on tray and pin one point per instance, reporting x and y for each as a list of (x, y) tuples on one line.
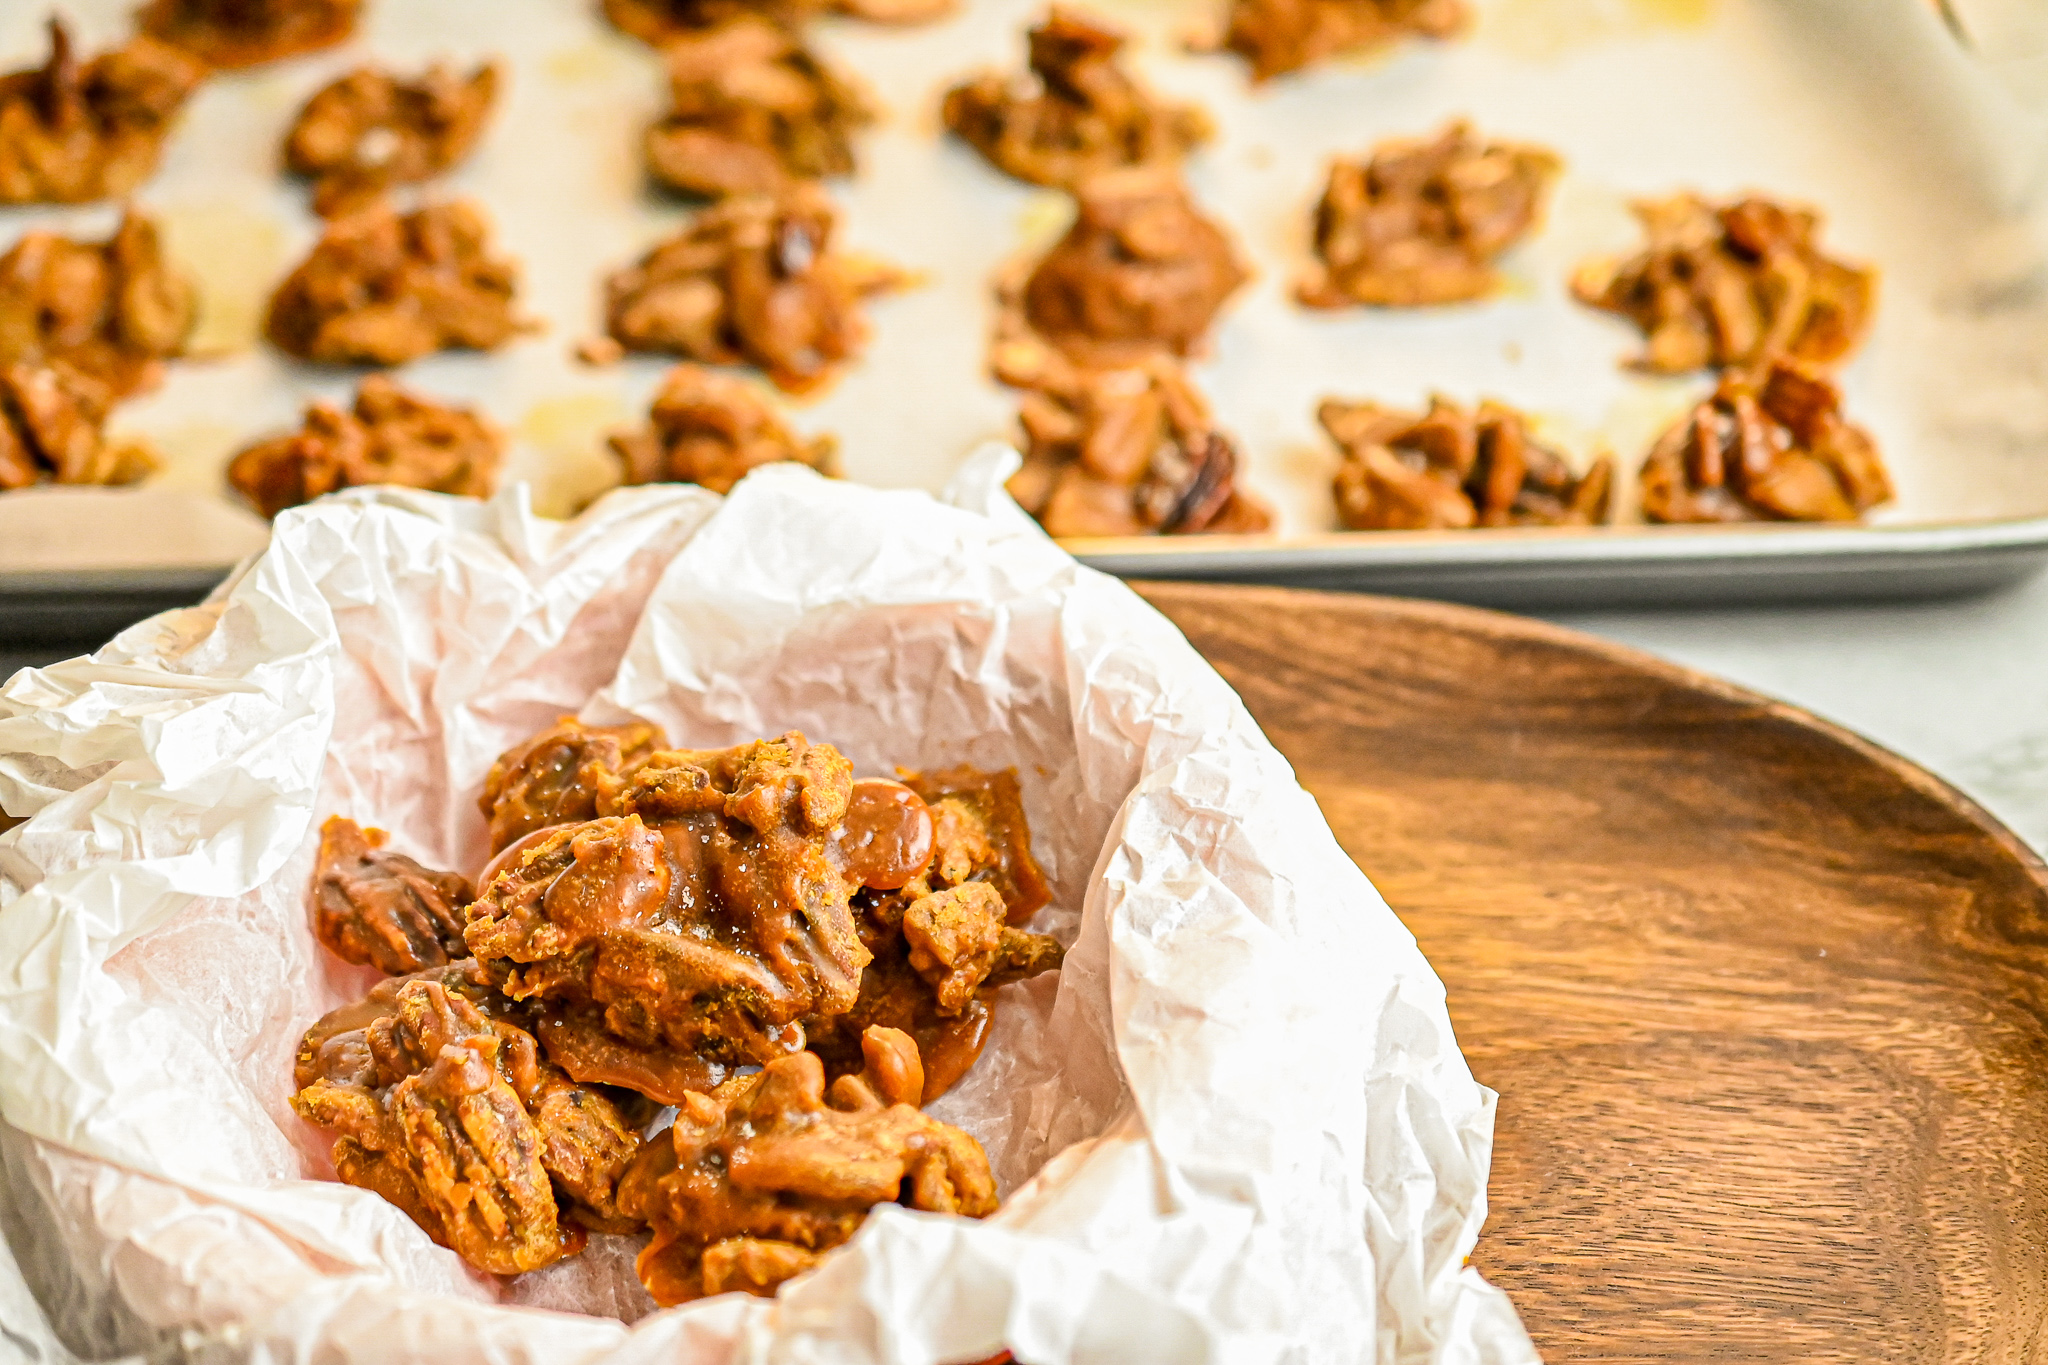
[(1094, 336)]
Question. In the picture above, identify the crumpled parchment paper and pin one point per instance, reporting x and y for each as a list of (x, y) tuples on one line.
[(1235, 1128)]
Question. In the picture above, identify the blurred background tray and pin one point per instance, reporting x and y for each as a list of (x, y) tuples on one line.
[(1766, 1006), (1926, 156)]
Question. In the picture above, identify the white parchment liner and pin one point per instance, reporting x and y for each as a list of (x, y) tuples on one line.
[(1236, 1127)]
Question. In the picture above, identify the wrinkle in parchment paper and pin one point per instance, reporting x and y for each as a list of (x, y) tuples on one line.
[(1235, 1128)]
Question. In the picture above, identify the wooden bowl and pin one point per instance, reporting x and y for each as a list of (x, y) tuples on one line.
[(1766, 1006)]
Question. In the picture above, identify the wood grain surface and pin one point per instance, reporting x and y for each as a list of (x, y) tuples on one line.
[(1766, 1006)]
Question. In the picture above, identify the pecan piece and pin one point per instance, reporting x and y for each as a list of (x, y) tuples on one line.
[(383, 909)]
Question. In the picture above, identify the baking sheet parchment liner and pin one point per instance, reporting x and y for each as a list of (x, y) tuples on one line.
[(1927, 154)]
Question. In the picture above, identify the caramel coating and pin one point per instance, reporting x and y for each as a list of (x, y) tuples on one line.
[(1735, 285), (1776, 451), (1455, 467), (750, 281), (52, 429), (1139, 271), (369, 130), (72, 132), (382, 288), (1423, 220), (713, 429), (392, 437), (1080, 115), (885, 838), (558, 776), (1121, 450), (450, 1115), (983, 835), (752, 109), (703, 917), (759, 1177), (1278, 36), (382, 909), (945, 940), (231, 33), (112, 310)]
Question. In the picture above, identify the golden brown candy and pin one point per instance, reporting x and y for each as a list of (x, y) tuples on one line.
[(1454, 467), (52, 421), (706, 919), (383, 287), (1140, 271), (72, 132), (946, 940), (885, 838), (1077, 115), (1735, 285), (1423, 220), (1121, 450), (1278, 36), (758, 1178), (447, 1112), (751, 109), (111, 311), (753, 280), (558, 776), (391, 437), (713, 429), (231, 33), (1779, 451), (369, 130)]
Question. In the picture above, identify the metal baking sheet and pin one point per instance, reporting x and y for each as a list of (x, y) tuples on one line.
[(1926, 156)]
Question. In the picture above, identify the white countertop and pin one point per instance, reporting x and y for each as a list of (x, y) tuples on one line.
[(1959, 687)]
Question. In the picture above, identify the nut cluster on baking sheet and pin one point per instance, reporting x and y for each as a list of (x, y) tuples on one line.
[(1103, 336), (795, 959), (1078, 112), (1454, 467)]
